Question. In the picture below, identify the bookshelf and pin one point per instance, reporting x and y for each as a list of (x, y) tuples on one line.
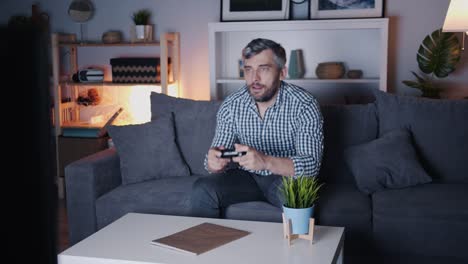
[(66, 109)]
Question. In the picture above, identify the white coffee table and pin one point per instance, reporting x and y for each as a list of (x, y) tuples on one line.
[(127, 240)]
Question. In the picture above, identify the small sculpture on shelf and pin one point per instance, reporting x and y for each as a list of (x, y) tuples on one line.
[(354, 74), (92, 97), (112, 36)]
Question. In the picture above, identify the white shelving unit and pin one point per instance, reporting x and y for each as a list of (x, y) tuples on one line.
[(359, 43)]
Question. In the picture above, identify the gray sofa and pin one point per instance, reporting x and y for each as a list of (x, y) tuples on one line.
[(420, 223)]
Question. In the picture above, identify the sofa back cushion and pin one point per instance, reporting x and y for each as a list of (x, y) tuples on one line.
[(195, 123), (162, 104), (344, 126), (148, 151), (439, 128)]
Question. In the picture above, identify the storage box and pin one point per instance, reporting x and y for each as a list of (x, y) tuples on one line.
[(137, 70)]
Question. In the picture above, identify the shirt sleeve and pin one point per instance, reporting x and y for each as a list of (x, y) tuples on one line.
[(224, 134), (309, 141)]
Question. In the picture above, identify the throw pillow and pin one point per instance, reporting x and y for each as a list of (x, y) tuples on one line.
[(148, 151), (386, 162)]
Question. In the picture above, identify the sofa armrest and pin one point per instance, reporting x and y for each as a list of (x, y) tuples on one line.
[(85, 181)]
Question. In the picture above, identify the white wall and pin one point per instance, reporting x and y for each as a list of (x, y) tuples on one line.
[(410, 22)]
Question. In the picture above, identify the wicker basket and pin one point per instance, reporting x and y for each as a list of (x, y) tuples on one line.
[(112, 37), (330, 70)]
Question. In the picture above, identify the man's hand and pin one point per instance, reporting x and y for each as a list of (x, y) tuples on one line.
[(252, 160), (256, 160), (216, 164)]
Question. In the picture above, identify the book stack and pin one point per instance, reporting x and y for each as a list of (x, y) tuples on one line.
[(95, 129)]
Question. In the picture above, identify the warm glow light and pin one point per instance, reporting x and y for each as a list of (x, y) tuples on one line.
[(137, 104), (173, 90), (456, 19)]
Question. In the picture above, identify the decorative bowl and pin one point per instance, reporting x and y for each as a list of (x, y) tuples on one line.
[(330, 70)]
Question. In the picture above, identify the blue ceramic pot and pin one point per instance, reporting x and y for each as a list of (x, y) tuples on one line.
[(299, 218)]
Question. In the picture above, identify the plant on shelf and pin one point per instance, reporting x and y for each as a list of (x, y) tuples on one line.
[(437, 57), (299, 195), (141, 17), (143, 29)]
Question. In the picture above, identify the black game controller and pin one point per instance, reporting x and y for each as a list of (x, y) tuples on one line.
[(230, 153)]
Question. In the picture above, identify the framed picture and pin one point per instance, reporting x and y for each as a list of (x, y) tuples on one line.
[(247, 10), (345, 8)]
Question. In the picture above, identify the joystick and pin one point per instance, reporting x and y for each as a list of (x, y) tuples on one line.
[(230, 153)]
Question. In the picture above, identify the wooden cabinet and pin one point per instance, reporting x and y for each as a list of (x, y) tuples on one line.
[(72, 148), (67, 57), (359, 43)]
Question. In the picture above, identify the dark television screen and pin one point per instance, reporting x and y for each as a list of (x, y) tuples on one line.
[(24, 50), (255, 5)]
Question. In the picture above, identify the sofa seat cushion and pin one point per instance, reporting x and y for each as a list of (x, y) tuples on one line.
[(169, 196), (344, 205), (429, 220), (254, 211), (439, 131)]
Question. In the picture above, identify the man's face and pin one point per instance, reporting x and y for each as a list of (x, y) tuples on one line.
[(263, 76)]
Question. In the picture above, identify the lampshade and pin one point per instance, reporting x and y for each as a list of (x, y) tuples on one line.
[(456, 19)]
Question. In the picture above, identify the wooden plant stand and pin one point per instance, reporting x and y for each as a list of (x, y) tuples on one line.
[(287, 229)]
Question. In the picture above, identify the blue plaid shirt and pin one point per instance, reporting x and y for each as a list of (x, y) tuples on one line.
[(292, 127)]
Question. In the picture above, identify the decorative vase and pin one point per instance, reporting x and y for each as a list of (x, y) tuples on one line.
[(148, 33), (296, 64), (143, 33), (299, 218)]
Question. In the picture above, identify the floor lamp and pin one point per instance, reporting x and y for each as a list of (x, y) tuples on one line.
[(456, 19)]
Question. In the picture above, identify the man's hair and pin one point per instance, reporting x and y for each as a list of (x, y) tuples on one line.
[(258, 45)]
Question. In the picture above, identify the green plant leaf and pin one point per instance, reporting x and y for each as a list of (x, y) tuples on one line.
[(439, 53), (420, 79), (300, 192), (141, 17), (412, 84)]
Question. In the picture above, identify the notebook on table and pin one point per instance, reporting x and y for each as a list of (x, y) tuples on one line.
[(200, 238)]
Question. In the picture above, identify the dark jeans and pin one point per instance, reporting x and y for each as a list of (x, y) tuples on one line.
[(212, 194)]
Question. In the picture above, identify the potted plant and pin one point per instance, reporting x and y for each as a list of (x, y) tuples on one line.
[(142, 27), (437, 56), (299, 195)]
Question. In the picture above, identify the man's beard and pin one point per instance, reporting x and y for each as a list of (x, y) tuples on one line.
[(269, 94)]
